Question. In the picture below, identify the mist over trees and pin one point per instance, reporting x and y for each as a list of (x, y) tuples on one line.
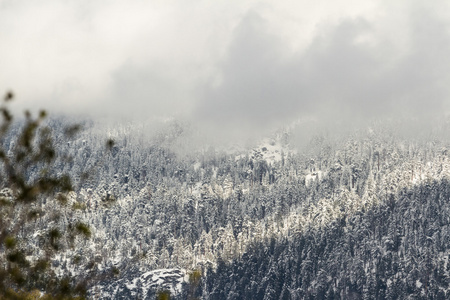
[(360, 215), (254, 150)]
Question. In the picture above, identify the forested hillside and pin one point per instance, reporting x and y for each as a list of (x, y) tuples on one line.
[(362, 214), (396, 250)]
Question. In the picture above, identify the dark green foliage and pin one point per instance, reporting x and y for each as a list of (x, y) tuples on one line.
[(110, 144), (115, 271), (10, 242), (17, 257), (194, 282), (83, 229), (54, 235), (72, 130), (163, 295), (33, 153)]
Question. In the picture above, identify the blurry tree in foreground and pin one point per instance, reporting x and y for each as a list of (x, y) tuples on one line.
[(30, 181)]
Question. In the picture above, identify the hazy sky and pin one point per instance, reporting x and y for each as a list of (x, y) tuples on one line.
[(242, 64)]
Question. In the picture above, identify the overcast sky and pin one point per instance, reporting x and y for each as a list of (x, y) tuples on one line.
[(241, 64)]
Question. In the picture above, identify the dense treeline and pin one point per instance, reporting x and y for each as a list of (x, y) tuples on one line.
[(275, 208), (397, 250)]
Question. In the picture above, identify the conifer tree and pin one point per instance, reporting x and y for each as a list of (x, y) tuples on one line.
[(33, 187)]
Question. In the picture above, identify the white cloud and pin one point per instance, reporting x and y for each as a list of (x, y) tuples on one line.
[(248, 62)]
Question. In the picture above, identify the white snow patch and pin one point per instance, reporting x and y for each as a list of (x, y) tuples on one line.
[(313, 176)]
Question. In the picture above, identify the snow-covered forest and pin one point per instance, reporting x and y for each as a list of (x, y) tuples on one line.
[(360, 215), (225, 150)]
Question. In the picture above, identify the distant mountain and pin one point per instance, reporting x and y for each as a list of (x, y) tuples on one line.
[(361, 215)]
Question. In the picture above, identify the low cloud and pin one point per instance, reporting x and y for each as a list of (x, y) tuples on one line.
[(236, 69), (348, 74)]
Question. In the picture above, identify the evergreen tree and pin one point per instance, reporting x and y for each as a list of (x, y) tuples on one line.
[(35, 187)]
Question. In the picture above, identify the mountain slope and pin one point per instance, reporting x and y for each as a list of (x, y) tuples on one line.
[(397, 250), (152, 207)]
